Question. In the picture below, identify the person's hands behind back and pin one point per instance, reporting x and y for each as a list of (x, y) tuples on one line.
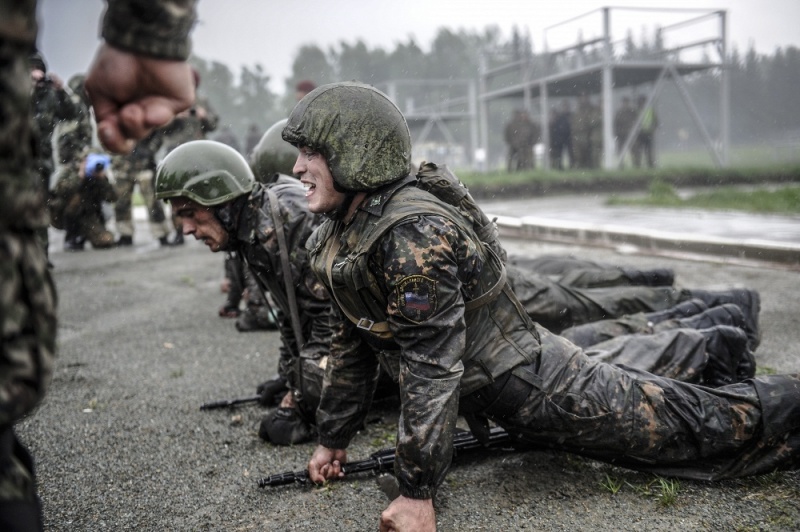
[(134, 94)]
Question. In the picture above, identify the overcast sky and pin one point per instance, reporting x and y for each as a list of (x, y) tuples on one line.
[(269, 32)]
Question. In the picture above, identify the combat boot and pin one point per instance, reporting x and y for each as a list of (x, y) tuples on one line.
[(679, 311), (178, 240), (729, 359), (747, 300), (727, 314), (125, 240), (285, 426), (164, 241)]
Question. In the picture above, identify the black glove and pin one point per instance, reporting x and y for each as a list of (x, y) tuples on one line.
[(271, 392)]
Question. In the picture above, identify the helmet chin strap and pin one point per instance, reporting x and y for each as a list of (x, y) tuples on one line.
[(228, 215)]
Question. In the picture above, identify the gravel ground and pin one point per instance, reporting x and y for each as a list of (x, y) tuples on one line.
[(121, 444)]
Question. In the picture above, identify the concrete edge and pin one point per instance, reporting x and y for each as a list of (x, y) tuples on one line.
[(649, 241)]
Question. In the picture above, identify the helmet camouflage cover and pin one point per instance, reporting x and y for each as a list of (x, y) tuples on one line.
[(205, 171), (361, 133), (272, 155)]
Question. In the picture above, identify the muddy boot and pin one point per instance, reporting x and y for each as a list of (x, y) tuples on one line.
[(727, 314), (284, 426), (729, 359), (747, 300), (679, 311), (124, 241), (271, 392)]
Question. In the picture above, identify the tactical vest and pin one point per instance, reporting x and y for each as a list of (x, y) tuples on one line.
[(358, 294)]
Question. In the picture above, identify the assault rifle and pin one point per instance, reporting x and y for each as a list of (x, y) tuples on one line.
[(383, 460), (229, 402)]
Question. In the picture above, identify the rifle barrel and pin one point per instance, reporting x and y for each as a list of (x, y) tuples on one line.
[(225, 403)]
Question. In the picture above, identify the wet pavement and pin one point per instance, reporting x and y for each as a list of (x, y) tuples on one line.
[(588, 220)]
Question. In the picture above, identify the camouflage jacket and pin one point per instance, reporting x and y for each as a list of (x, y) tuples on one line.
[(51, 106), (418, 276), (27, 346), (257, 242), (75, 136)]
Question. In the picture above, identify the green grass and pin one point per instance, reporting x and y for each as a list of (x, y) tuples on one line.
[(784, 200)]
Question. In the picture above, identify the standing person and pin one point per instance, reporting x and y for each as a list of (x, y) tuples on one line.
[(50, 104), (644, 144), (586, 123), (430, 298), (521, 135), (624, 120), (561, 137), (138, 168), (27, 295)]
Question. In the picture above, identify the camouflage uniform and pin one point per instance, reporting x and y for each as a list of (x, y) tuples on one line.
[(521, 134), (75, 136), (586, 130), (138, 167), (407, 266), (580, 273), (624, 120), (256, 243), (27, 294), (81, 202)]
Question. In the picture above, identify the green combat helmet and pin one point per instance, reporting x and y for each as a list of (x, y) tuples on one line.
[(361, 133), (272, 155), (205, 171)]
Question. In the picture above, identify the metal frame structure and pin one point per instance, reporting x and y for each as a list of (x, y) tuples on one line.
[(609, 72), (440, 115)]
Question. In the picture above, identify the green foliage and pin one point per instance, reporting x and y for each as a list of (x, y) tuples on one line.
[(662, 489)]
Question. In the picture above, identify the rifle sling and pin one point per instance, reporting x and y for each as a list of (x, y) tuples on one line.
[(287, 280)]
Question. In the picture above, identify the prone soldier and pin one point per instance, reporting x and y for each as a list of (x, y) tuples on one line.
[(421, 295)]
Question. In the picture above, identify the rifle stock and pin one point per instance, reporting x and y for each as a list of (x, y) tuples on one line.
[(463, 443)]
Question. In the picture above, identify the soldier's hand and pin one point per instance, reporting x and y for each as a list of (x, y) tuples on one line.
[(406, 514), (326, 464), (134, 94)]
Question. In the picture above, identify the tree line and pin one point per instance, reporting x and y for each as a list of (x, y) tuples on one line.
[(762, 86)]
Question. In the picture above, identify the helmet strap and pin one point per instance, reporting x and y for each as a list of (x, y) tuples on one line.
[(228, 215)]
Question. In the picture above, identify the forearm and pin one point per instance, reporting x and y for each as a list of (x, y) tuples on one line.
[(154, 28), (350, 377)]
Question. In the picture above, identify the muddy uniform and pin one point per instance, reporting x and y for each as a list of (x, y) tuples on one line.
[(256, 242), (27, 294), (414, 275)]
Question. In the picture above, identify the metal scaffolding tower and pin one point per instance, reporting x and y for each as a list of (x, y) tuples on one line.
[(604, 69)]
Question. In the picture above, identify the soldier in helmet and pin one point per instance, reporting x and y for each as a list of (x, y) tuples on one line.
[(670, 348), (420, 294), (212, 188)]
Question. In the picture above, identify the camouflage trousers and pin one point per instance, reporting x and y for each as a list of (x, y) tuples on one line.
[(579, 273), (557, 306), (123, 210), (83, 218), (646, 422), (27, 350)]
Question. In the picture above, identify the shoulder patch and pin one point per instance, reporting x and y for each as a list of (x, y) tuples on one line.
[(416, 297)]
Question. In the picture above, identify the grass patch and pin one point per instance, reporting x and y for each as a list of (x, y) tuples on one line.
[(611, 484), (664, 490), (785, 200)]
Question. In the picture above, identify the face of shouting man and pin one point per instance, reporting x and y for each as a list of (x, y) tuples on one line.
[(312, 169), (201, 222)]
